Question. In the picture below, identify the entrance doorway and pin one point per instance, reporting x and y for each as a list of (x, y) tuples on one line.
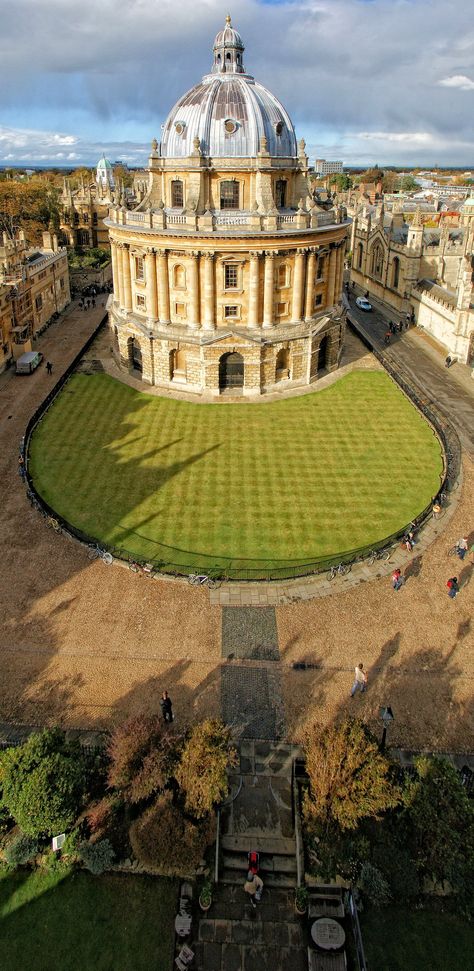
[(322, 353), (231, 371)]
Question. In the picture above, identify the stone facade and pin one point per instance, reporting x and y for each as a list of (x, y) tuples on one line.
[(228, 274), (427, 273), (34, 287)]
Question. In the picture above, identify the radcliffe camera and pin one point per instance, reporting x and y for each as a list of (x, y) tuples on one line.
[(237, 447)]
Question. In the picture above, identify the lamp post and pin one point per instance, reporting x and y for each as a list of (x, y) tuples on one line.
[(387, 717)]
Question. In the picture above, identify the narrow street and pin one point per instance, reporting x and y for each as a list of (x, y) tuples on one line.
[(422, 359)]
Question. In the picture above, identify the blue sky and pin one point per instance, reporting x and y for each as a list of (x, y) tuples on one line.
[(363, 80)]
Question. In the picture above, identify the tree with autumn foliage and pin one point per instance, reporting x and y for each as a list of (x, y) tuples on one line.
[(202, 770), (349, 778), (142, 756), (31, 205)]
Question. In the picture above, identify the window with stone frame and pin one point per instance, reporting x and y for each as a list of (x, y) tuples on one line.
[(39, 302), (231, 276), (230, 195), (282, 309), (139, 268), (280, 193), (180, 309), (233, 310), (141, 301), (177, 194), (94, 219), (396, 273), (318, 300), (377, 261), (85, 217), (320, 267)]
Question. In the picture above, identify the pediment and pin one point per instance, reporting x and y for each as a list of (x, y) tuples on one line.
[(230, 336)]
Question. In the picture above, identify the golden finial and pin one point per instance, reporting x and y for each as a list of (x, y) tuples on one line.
[(227, 20)]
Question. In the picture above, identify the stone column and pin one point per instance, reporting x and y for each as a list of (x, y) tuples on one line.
[(309, 300), (127, 278), (194, 291), (151, 291), (254, 278), (268, 286), (298, 279), (163, 287), (119, 290), (340, 275), (115, 279), (209, 319), (331, 277)]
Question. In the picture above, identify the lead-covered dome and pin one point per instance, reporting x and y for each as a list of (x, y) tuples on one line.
[(229, 112)]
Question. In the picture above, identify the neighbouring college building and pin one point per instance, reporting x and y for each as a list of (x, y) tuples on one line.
[(228, 274)]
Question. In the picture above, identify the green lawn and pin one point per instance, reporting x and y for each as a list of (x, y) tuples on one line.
[(77, 922), (275, 482), (396, 939)]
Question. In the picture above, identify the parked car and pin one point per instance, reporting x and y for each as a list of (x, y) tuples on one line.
[(28, 362), (363, 303)]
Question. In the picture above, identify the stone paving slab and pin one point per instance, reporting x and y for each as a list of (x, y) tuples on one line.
[(250, 633), (251, 701)]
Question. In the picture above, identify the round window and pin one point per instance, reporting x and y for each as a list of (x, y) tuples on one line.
[(179, 126), (230, 126)]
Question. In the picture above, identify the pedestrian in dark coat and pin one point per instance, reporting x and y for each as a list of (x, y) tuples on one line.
[(453, 587), (166, 707)]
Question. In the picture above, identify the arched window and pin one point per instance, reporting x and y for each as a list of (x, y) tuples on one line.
[(396, 273), (360, 253), (282, 365), (179, 276), (134, 354), (377, 260), (178, 365), (177, 195), (283, 275), (280, 193), (230, 194)]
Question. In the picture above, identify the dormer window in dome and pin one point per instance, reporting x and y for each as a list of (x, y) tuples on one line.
[(279, 127), (180, 127), (230, 126)]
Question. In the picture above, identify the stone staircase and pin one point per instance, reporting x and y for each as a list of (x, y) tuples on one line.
[(233, 936)]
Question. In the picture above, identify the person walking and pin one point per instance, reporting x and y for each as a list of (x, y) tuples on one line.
[(453, 587), (166, 707), (397, 579), (254, 887), (462, 547), (360, 680), (436, 510), (49, 367)]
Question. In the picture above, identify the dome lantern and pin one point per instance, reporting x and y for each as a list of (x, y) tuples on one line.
[(228, 51)]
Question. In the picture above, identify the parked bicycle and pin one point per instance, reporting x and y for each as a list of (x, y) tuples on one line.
[(374, 555), (339, 571), (96, 552), (54, 524), (204, 579), (144, 569)]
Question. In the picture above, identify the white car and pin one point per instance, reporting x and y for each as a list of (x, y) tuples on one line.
[(363, 303)]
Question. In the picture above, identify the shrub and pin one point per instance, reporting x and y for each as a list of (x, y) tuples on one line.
[(349, 777), (142, 757), (44, 782), (374, 885), (164, 839), (96, 857), (202, 770), (21, 850), (99, 815)]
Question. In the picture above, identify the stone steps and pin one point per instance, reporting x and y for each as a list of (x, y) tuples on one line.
[(278, 881), (268, 863), (269, 845)]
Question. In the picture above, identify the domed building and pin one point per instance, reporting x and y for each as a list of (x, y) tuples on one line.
[(228, 274)]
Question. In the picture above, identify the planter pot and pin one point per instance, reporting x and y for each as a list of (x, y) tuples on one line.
[(205, 906), (300, 911)]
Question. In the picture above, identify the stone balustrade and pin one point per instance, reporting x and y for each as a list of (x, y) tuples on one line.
[(162, 219)]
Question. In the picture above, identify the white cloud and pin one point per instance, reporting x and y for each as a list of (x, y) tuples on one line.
[(457, 81)]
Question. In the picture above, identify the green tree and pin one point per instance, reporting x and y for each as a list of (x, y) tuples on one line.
[(371, 175), (349, 778), (162, 837), (32, 206), (44, 782), (202, 770), (441, 819), (390, 182), (408, 184), (341, 181)]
